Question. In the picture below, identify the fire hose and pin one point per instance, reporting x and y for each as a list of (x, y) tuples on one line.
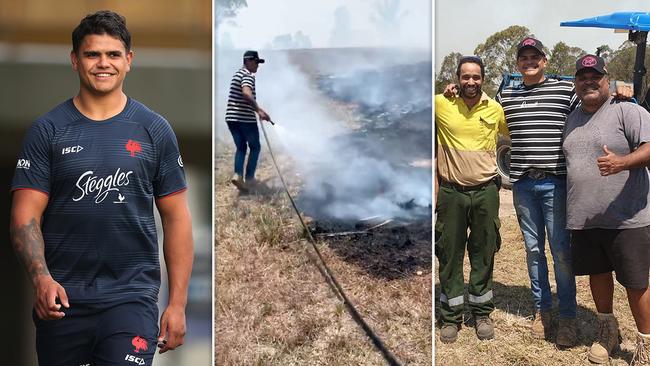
[(327, 274)]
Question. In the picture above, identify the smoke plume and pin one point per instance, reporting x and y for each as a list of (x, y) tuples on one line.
[(357, 167)]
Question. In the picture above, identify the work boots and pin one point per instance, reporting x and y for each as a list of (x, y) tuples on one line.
[(642, 353), (252, 184), (449, 333), (484, 328), (541, 326), (608, 339), (238, 181), (566, 333)]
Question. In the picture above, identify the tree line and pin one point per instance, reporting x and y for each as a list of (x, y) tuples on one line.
[(499, 50)]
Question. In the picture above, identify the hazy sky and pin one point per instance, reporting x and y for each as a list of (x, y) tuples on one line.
[(461, 25), (256, 25)]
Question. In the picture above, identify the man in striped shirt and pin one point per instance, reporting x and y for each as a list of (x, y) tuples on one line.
[(535, 113), (242, 121)]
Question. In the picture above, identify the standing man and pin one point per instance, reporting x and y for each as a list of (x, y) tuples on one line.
[(466, 134), (242, 121), (607, 153), (535, 112), (82, 218)]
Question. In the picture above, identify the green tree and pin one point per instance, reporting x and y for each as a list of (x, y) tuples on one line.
[(499, 53), (621, 65), (447, 72), (227, 8), (562, 59)]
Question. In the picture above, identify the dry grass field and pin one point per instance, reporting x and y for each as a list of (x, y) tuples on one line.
[(513, 344), (273, 307)]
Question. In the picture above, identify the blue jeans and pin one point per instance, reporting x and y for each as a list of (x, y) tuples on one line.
[(541, 204), (246, 135)]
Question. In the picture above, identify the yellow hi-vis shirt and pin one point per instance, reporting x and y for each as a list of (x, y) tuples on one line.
[(467, 139)]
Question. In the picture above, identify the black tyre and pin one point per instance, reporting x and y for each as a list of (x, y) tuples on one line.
[(503, 162)]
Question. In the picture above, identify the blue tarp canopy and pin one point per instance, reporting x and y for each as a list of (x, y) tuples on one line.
[(620, 20)]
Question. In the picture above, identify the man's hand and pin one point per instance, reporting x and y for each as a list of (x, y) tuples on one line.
[(172, 328), (263, 115), (610, 163), (623, 91), (450, 90), (178, 249), (27, 240), (46, 291)]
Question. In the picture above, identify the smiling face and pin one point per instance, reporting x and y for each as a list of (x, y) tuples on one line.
[(102, 62), (531, 64), (470, 80), (592, 88)]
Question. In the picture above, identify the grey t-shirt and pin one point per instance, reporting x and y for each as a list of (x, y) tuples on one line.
[(618, 201)]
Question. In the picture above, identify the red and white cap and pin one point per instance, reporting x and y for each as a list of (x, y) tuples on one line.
[(530, 42), (591, 62)]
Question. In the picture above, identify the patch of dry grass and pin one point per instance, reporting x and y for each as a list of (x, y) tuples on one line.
[(274, 308), (513, 344)]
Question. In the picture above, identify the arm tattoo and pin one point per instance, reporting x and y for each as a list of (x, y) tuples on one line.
[(30, 248)]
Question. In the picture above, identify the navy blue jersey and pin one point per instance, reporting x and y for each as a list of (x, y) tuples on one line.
[(101, 178)]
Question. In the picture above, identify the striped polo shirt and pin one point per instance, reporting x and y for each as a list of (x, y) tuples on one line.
[(467, 139), (238, 108), (535, 115)]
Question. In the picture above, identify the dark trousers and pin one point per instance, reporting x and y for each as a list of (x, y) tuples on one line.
[(246, 136), (457, 211), (90, 334)]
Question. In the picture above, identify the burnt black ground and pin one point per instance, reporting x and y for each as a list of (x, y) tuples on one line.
[(394, 107), (394, 104), (395, 250), (398, 131)]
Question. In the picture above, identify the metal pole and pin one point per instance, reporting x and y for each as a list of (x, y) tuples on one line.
[(640, 39)]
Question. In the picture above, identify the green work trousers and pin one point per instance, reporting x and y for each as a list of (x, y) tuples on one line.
[(457, 211)]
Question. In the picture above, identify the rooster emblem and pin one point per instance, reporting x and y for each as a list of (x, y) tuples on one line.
[(139, 343), (120, 198)]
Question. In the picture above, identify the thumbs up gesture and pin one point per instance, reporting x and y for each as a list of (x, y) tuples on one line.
[(610, 163)]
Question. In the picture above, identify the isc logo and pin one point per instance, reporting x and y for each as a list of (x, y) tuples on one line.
[(136, 360), (71, 149)]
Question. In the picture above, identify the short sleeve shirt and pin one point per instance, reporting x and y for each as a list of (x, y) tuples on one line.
[(101, 178), (618, 201), (466, 139), (238, 108), (535, 115)]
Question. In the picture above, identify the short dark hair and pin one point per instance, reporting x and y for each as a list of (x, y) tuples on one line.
[(102, 22), (472, 59)]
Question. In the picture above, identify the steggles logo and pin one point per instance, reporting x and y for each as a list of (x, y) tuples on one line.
[(101, 187)]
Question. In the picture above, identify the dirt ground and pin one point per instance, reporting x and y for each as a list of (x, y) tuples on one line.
[(273, 307), (513, 344)]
